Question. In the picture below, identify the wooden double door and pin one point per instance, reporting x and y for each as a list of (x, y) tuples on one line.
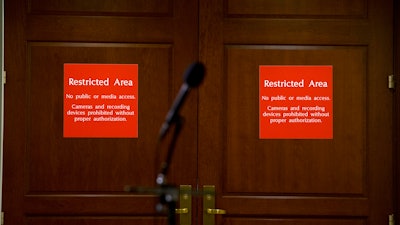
[(49, 179)]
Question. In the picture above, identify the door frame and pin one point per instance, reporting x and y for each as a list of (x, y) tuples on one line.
[(396, 62), (2, 82), (396, 68)]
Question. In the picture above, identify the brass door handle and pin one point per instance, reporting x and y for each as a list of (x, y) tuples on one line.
[(185, 204), (182, 211), (216, 211)]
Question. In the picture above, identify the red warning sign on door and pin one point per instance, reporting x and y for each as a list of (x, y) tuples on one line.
[(101, 100), (296, 102)]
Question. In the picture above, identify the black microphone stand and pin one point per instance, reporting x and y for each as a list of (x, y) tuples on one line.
[(169, 193)]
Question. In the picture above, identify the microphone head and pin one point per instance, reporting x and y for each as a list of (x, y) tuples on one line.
[(194, 74)]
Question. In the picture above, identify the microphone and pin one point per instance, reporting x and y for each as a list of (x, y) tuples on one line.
[(192, 77)]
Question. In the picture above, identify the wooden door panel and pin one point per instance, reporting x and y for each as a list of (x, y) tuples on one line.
[(92, 204), (272, 206), (102, 28), (136, 8), (269, 8), (54, 180), (299, 221), (295, 166), (273, 181), (58, 164), (94, 221)]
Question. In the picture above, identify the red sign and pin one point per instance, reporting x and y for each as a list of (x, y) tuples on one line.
[(101, 100), (296, 102)]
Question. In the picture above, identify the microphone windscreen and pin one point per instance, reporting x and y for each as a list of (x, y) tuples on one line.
[(194, 74)]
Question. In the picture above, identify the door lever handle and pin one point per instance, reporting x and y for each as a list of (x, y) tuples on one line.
[(209, 210), (216, 211), (182, 211)]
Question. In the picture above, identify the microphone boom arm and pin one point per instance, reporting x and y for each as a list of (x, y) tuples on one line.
[(169, 195), (178, 120)]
